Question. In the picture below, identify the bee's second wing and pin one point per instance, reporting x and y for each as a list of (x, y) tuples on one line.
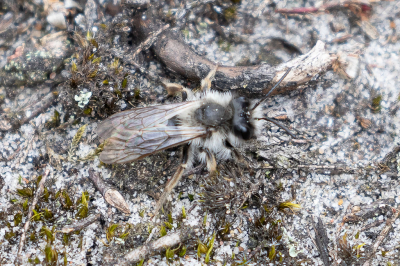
[(139, 118), (129, 145)]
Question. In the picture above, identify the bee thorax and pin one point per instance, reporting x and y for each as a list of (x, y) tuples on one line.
[(213, 114)]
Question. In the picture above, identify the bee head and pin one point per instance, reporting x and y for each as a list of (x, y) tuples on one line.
[(242, 127)]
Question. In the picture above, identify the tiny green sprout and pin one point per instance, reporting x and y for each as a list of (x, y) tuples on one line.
[(34, 261), (74, 68), (163, 231), (201, 248), (65, 239), (38, 179), (97, 60), (168, 225), (90, 57), (48, 233), (65, 259), (36, 215), (140, 263), (87, 111), (266, 209), (210, 247), (47, 214), (32, 237), (89, 35), (20, 180), (183, 212), (384, 252), (80, 241), (141, 213), (118, 93), (124, 235), (170, 220), (205, 219), (169, 254), (105, 82), (272, 253), (136, 93), (230, 13), (376, 103), (357, 235), (94, 43), (183, 251), (83, 199), (115, 63), (17, 218), (46, 194), (288, 205), (13, 201), (111, 232), (358, 248), (280, 257), (9, 235), (93, 74), (226, 229), (51, 255), (25, 192), (124, 83), (82, 213), (191, 197), (68, 202), (180, 195)]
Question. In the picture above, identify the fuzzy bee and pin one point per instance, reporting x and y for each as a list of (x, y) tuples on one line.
[(210, 124)]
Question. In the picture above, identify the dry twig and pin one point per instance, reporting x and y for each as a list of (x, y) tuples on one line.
[(110, 194), (154, 247), (381, 237), (321, 240), (80, 224), (180, 58)]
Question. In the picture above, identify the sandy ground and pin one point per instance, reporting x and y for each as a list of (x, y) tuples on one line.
[(345, 127)]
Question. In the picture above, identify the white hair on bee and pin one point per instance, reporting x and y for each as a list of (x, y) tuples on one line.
[(215, 142)]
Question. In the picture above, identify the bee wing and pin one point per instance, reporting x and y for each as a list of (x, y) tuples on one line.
[(140, 118), (129, 145)]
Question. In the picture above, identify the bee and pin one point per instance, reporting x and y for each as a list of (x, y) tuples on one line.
[(209, 124)]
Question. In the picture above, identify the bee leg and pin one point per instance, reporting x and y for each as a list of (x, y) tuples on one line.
[(173, 89), (236, 153), (206, 82), (210, 160), (174, 180)]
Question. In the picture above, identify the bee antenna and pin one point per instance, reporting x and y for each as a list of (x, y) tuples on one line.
[(273, 121), (271, 90)]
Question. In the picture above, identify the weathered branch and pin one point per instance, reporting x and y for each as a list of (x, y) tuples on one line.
[(25, 116), (154, 247), (321, 240), (110, 194), (79, 225), (180, 58), (382, 236)]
